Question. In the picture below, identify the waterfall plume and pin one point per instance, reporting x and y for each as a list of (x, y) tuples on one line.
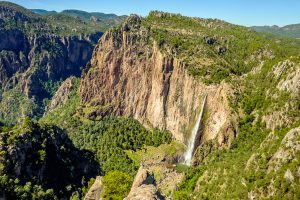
[(188, 155)]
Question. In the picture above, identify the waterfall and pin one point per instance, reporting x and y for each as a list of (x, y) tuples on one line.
[(191, 143)]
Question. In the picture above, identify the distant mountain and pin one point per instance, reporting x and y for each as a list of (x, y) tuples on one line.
[(292, 31), (108, 19), (42, 12)]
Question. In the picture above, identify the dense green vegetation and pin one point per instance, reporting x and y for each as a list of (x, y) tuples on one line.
[(116, 185), (14, 105), (107, 138)]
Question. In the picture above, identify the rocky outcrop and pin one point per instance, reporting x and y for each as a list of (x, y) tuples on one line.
[(62, 95), (290, 147), (278, 158), (142, 177), (144, 192), (96, 190), (143, 187), (133, 77), (291, 82), (287, 75)]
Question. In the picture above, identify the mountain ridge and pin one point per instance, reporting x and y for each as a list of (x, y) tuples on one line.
[(111, 19), (291, 30)]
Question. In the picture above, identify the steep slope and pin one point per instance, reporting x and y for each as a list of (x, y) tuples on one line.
[(36, 54), (156, 70)]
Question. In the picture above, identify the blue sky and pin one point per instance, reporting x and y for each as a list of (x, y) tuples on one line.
[(243, 12)]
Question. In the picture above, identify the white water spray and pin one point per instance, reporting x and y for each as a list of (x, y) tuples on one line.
[(191, 143)]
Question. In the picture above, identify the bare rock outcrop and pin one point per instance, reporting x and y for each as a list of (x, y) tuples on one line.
[(287, 75), (96, 190), (290, 147), (143, 187), (62, 94), (142, 177), (291, 83)]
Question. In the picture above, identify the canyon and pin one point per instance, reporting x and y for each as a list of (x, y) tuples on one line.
[(157, 107)]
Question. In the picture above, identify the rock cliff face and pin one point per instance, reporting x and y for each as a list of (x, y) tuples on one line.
[(130, 75), (32, 60)]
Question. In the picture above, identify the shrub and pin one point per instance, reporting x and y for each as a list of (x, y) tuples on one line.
[(117, 185)]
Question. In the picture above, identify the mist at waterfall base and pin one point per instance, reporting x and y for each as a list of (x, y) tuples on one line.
[(188, 155)]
